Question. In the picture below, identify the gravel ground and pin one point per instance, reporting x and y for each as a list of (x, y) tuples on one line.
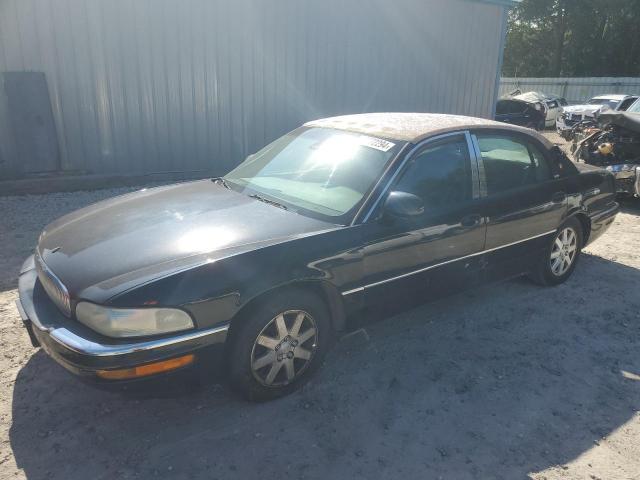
[(510, 381)]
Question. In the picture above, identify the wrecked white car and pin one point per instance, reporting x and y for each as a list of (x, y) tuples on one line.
[(614, 144), (573, 115)]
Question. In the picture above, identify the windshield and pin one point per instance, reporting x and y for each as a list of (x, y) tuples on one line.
[(321, 172), (603, 101)]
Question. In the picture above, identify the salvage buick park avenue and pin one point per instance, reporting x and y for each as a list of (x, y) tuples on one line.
[(268, 264)]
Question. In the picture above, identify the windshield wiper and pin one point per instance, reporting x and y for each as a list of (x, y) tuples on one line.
[(221, 181), (270, 202)]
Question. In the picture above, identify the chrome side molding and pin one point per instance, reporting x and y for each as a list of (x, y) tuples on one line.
[(431, 267)]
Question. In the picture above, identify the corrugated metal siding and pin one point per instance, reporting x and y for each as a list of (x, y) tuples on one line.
[(575, 90), (141, 86)]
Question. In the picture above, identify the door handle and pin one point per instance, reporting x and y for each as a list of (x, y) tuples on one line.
[(559, 197), (471, 220)]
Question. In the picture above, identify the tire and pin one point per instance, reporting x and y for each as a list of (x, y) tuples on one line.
[(267, 342), (559, 262)]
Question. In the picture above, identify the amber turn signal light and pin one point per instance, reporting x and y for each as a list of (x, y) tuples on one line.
[(146, 370)]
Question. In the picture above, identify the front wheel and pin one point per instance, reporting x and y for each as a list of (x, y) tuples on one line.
[(279, 345), (561, 255)]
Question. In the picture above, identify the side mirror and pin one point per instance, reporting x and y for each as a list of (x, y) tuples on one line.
[(403, 205)]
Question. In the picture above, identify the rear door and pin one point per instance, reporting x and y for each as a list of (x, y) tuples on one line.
[(409, 261), (524, 199)]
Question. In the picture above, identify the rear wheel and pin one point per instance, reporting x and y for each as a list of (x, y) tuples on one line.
[(561, 255), (280, 344)]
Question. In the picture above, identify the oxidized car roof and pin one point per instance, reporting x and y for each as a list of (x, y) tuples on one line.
[(413, 127)]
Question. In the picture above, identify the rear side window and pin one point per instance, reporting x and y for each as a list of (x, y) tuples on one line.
[(511, 163), (439, 174)]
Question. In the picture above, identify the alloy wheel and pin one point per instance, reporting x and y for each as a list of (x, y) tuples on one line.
[(563, 252), (284, 348)]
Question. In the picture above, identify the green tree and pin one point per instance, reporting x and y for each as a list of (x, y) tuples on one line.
[(580, 38)]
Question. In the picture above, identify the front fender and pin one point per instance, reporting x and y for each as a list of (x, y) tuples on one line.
[(214, 293)]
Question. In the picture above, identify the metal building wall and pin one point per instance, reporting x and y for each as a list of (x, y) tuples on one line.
[(140, 86)]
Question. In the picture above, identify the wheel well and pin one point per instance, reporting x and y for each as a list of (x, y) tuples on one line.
[(324, 290), (586, 227)]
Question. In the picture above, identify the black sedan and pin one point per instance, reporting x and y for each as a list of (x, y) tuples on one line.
[(265, 265)]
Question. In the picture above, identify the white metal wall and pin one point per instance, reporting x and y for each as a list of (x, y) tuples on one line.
[(141, 86), (575, 90)]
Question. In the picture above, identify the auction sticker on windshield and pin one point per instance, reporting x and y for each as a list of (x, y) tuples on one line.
[(377, 143)]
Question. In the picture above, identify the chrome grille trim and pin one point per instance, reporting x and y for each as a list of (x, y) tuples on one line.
[(53, 286)]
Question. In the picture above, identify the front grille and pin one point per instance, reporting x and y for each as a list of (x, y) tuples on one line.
[(570, 120), (53, 286)]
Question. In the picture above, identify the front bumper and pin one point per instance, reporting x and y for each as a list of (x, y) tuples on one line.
[(83, 351), (564, 125)]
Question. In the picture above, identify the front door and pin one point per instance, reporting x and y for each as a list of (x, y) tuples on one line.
[(416, 259)]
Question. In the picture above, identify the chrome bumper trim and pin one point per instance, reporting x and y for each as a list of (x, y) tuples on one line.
[(73, 342)]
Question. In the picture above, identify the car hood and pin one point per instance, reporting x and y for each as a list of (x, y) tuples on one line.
[(119, 243), (582, 109)]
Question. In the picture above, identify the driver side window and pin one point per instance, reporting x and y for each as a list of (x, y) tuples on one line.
[(440, 174)]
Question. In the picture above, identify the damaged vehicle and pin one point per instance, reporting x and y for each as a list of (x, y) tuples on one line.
[(553, 104), (520, 112), (574, 117), (614, 144)]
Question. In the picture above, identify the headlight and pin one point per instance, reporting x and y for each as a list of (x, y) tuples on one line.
[(132, 322)]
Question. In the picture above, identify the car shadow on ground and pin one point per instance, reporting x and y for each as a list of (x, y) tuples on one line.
[(495, 383)]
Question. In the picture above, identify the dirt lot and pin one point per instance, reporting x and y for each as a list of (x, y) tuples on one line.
[(510, 381)]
